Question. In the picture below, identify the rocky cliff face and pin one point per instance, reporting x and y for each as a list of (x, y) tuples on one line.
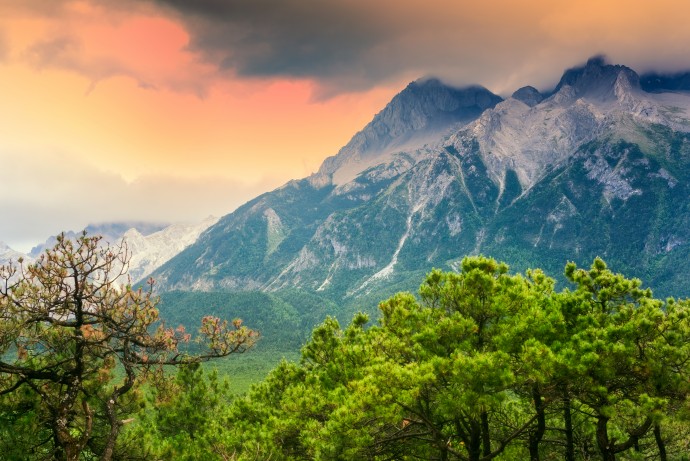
[(423, 112), (598, 166), (149, 252)]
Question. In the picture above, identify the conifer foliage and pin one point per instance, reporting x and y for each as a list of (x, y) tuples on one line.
[(484, 365), (481, 365), (76, 347)]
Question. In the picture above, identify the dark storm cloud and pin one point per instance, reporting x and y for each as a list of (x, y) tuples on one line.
[(346, 45), (352, 45), (293, 38)]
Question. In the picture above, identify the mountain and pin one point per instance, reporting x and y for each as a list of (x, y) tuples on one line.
[(8, 255), (149, 245), (654, 82), (150, 251), (426, 110), (112, 232), (598, 166)]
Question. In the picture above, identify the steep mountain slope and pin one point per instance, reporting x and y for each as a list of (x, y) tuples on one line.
[(148, 252), (423, 112), (249, 248), (598, 166)]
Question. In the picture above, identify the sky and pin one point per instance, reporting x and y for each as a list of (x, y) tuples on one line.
[(173, 110)]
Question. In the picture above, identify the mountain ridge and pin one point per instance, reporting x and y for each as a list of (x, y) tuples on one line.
[(148, 245), (381, 217), (425, 109)]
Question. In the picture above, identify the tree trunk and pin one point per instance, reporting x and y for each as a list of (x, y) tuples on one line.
[(486, 436), (109, 449), (111, 411), (608, 448), (444, 454), (568, 419), (536, 436), (607, 454), (67, 446), (633, 437), (661, 445), (475, 448)]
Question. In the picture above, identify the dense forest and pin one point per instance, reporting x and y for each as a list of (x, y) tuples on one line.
[(480, 364)]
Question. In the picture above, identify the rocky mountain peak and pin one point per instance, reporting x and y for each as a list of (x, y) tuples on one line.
[(443, 172), (425, 109), (8, 254), (529, 95), (598, 78), (530, 139), (424, 104), (111, 232), (149, 250)]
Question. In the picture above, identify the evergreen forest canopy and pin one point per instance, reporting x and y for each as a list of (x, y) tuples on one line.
[(482, 364)]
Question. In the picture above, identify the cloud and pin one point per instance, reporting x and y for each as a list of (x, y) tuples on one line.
[(351, 45), (4, 47), (344, 46), (47, 194), (69, 52), (298, 38), (102, 39), (61, 52)]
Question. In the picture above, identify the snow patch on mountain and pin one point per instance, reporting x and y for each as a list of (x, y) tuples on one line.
[(8, 255), (149, 252)]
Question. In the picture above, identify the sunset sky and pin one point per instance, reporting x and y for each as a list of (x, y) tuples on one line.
[(171, 110)]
